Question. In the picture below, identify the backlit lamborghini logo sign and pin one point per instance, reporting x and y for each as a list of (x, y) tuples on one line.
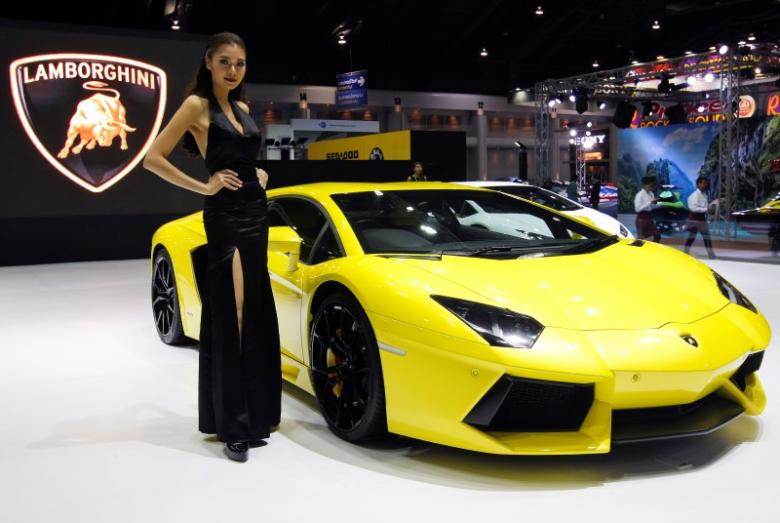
[(93, 117)]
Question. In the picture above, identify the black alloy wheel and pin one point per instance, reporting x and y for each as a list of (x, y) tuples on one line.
[(165, 302), (346, 371)]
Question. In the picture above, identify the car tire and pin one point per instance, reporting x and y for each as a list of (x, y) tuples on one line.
[(165, 300), (346, 370)]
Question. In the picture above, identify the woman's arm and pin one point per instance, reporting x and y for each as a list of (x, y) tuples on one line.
[(156, 158)]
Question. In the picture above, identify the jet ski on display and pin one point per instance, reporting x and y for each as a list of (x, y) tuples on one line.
[(761, 219), (671, 214)]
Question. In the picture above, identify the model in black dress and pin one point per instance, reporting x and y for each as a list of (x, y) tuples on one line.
[(239, 383)]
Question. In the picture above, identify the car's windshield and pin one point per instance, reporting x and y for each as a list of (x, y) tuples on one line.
[(540, 196), (471, 222)]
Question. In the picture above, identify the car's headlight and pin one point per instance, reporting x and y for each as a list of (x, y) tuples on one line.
[(732, 293), (498, 326)]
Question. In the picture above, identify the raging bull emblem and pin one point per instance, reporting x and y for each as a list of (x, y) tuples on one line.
[(97, 121), (69, 102)]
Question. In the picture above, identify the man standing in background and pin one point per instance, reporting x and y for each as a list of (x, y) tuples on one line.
[(698, 206), (644, 203), (595, 193)]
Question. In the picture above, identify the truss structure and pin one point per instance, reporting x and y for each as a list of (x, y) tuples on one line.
[(625, 84)]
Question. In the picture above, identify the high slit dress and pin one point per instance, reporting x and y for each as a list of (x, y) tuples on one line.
[(239, 381)]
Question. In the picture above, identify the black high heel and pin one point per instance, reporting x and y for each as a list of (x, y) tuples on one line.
[(237, 450)]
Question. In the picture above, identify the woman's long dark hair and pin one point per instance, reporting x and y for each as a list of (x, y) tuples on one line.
[(201, 85)]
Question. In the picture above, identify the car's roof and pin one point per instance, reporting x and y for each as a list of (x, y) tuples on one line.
[(494, 183), (319, 189)]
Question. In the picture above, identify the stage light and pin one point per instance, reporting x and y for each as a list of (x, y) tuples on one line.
[(688, 53), (573, 132), (709, 77), (572, 98), (589, 125), (751, 37), (520, 145), (656, 25), (701, 108), (757, 70), (551, 103), (595, 64), (660, 57), (602, 105), (723, 49), (587, 133), (342, 40), (483, 53), (647, 109), (539, 11), (713, 48), (742, 42), (634, 62), (571, 141), (175, 24), (624, 113)]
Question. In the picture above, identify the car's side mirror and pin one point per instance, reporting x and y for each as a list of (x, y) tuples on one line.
[(285, 240)]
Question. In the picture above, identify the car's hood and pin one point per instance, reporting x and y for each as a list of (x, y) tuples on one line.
[(618, 287)]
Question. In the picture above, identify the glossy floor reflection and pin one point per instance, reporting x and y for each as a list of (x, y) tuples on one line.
[(100, 424)]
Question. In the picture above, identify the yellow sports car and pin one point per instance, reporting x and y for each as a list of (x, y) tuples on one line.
[(543, 336)]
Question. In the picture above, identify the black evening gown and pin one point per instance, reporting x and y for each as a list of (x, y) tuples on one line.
[(239, 381)]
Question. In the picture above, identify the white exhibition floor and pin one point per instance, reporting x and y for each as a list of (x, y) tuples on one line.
[(99, 423)]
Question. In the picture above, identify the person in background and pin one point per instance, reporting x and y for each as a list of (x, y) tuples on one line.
[(595, 193), (547, 184), (698, 206), (644, 203), (571, 190), (417, 173)]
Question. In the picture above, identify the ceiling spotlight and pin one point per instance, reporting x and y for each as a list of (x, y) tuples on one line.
[(572, 98), (634, 62), (751, 37), (551, 103), (483, 53), (175, 24), (723, 49), (587, 133), (742, 42), (757, 70), (595, 64), (571, 141), (709, 77), (701, 108), (660, 57), (713, 48), (589, 125), (603, 105), (573, 132), (539, 11), (342, 40), (656, 25), (688, 53)]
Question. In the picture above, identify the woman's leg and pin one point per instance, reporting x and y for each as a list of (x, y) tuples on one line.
[(238, 287)]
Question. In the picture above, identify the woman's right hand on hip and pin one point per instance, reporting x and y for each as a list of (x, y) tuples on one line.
[(223, 178)]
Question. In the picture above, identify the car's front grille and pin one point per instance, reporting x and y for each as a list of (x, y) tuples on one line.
[(526, 405), (748, 367)]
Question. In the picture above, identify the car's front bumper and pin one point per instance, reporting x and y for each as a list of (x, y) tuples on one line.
[(634, 384)]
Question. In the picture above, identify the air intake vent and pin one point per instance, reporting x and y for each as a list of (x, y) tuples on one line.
[(525, 405), (750, 365)]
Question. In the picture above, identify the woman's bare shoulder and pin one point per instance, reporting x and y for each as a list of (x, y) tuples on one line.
[(243, 106)]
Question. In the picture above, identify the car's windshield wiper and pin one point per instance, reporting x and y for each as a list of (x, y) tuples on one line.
[(591, 244)]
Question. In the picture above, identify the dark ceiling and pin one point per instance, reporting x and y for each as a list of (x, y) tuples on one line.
[(434, 45)]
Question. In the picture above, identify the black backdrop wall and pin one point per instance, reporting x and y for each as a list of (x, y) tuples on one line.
[(46, 217)]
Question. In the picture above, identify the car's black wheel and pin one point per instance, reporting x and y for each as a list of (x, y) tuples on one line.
[(165, 302), (346, 371)]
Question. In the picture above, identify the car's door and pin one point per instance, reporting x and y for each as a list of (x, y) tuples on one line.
[(308, 219)]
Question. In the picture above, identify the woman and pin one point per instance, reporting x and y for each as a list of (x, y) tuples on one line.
[(239, 377)]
